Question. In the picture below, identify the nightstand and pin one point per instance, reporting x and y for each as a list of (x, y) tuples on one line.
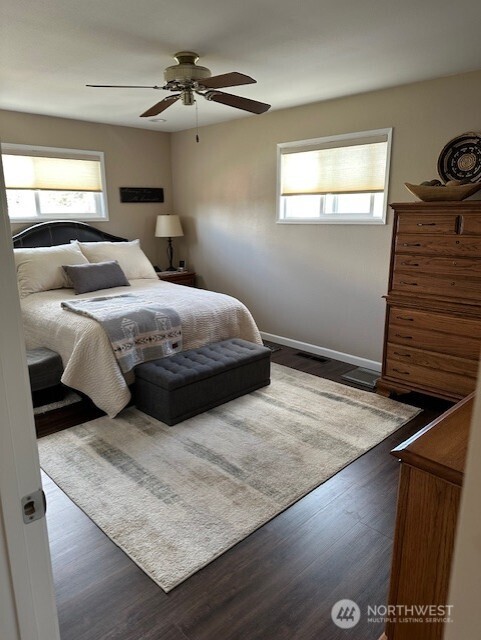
[(186, 278)]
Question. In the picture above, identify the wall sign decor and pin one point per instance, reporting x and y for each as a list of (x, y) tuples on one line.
[(141, 194)]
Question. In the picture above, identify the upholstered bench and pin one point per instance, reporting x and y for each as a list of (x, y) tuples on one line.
[(178, 387), (45, 370)]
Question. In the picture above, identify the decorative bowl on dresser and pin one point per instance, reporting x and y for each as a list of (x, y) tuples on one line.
[(443, 193), (433, 319)]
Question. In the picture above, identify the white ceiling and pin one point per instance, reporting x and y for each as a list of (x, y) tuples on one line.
[(299, 52)]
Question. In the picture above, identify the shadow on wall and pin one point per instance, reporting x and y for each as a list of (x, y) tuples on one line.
[(314, 296)]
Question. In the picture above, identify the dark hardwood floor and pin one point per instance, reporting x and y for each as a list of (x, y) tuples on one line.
[(279, 583)]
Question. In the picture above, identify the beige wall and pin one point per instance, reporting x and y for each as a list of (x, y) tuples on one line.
[(133, 158), (320, 284)]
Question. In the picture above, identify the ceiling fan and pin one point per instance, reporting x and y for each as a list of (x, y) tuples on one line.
[(186, 78)]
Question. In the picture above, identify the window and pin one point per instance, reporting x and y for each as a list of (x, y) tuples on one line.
[(340, 179), (45, 183)]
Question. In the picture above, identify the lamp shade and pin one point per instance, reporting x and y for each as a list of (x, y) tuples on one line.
[(168, 227)]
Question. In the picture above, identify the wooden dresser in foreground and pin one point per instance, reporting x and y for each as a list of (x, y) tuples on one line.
[(433, 318), (432, 471)]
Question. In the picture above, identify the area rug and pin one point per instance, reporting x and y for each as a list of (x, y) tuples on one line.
[(175, 498)]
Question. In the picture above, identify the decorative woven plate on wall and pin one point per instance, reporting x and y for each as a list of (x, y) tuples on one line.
[(461, 158)]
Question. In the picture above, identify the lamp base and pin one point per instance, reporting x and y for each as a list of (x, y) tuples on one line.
[(170, 255)]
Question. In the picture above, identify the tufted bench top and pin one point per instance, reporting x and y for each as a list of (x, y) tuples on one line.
[(197, 364)]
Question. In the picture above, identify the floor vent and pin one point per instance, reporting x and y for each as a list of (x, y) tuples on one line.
[(365, 377), (270, 345), (312, 356)]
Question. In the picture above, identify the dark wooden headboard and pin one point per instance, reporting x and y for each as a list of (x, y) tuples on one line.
[(49, 234)]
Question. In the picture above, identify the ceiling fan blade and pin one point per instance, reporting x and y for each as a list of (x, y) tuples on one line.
[(121, 86), (237, 101), (233, 79), (160, 106)]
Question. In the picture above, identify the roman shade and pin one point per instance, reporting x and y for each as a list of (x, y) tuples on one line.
[(82, 173), (357, 168)]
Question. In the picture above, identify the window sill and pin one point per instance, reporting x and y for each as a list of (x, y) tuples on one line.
[(346, 220)]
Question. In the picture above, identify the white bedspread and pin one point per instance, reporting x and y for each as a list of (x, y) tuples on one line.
[(89, 362)]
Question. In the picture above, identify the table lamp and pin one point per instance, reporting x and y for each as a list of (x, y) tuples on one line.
[(168, 226)]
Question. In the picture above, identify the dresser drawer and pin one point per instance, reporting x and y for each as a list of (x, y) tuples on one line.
[(455, 245), (418, 376), (443, 286), (403, 318), (466, 267), (428, 340), (431, 359), (433, 331), (428, 223)]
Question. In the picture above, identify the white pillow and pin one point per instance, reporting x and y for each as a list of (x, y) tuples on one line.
[(132, 260), (40, 268)]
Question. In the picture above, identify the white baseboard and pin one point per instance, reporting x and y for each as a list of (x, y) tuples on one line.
[(321, 351)]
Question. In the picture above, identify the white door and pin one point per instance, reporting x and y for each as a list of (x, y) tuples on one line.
[(27, 603)]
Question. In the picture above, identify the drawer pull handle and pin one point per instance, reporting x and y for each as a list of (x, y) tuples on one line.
[(411, 244), (426, 224), (405, 373), (411, 284), (459, 224), (403, 355), (398, 335), (406, 318), (406, 263)]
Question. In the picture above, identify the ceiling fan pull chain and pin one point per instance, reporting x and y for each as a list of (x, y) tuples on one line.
[(197, 122)]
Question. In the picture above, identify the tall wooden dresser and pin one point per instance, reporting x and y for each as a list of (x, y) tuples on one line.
[(433, 318)]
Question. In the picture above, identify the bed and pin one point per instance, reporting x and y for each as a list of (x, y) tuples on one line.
[(88, 359)]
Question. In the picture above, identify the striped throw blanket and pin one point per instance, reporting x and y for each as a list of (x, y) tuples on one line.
[(139, 330)]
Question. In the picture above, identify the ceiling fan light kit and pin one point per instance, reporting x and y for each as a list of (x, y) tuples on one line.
[(187, 78)]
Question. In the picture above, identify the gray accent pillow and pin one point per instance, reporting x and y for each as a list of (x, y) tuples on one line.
[(95, 276)]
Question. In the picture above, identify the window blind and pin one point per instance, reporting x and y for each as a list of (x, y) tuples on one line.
[(51, 173), (350, 169)]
